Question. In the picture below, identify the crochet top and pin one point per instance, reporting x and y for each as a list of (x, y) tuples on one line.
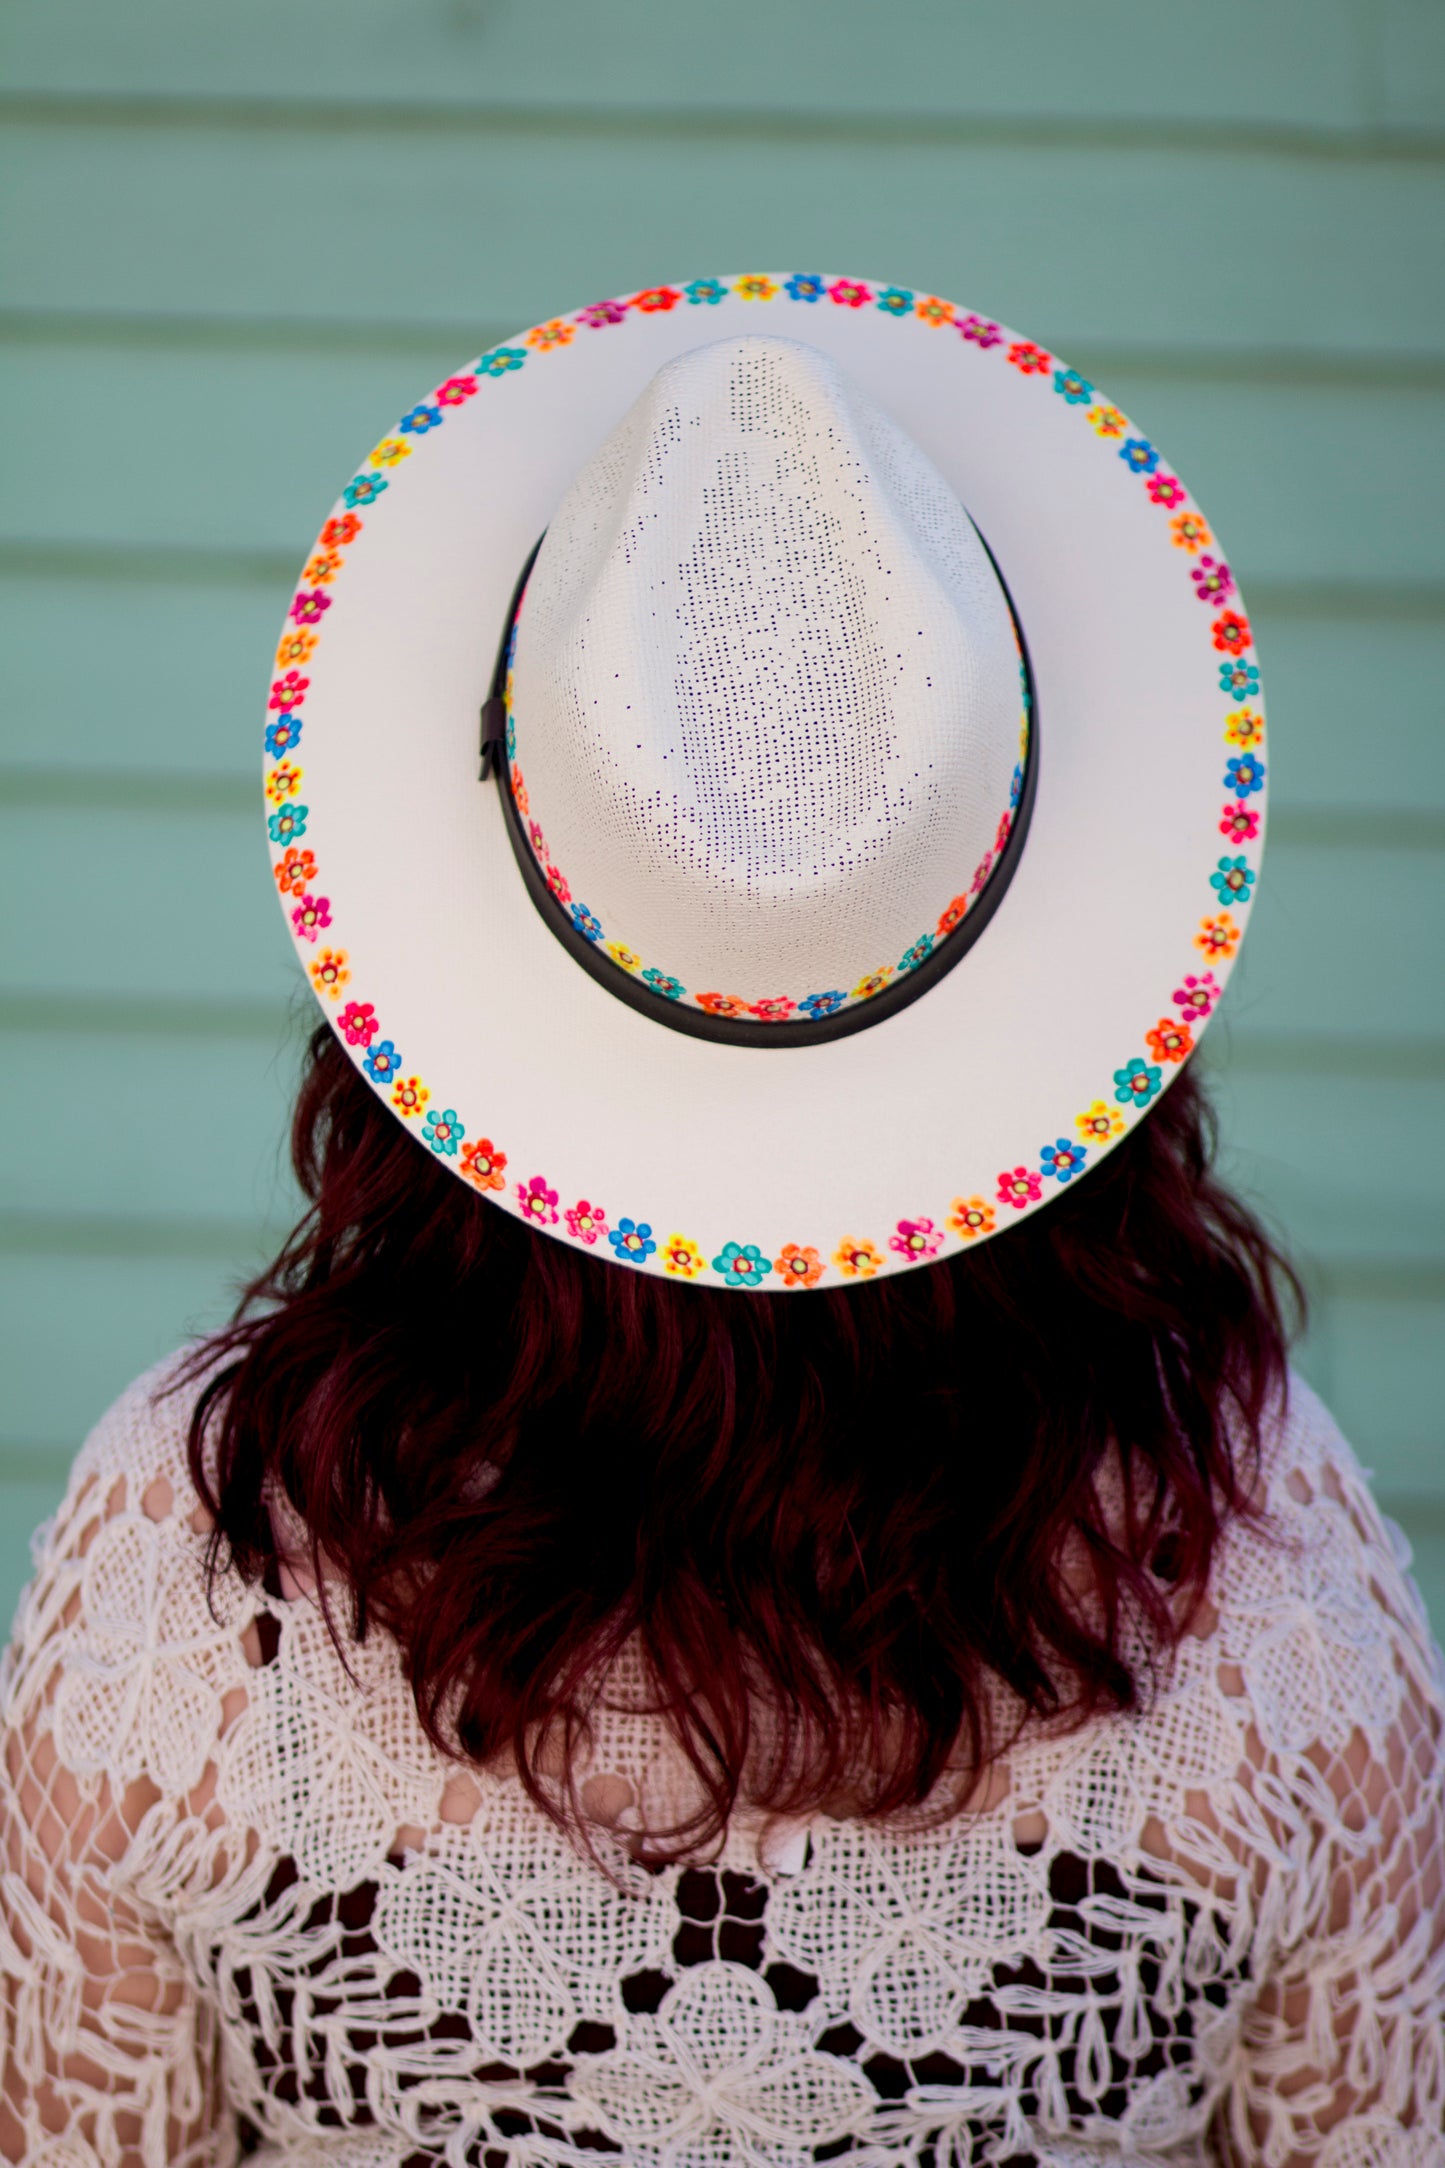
[(249, 1912)]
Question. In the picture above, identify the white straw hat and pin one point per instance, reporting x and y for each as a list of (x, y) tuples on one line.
[(881, 799)]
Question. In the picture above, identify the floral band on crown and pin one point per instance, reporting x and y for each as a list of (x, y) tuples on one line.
[(1138, 1080)]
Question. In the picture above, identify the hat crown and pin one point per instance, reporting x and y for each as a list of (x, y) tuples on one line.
[(766, 689)]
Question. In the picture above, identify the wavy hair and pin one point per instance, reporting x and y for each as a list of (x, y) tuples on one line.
[(830, 1526)]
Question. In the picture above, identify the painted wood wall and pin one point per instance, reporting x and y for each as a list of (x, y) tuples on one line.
[(238, 241)]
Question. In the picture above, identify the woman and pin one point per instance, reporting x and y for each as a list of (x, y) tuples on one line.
[(523, 1696)]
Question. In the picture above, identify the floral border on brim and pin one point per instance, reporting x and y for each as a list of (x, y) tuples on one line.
[(1226, 887)]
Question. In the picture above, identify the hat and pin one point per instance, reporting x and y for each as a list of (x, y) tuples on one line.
[(765, 777)]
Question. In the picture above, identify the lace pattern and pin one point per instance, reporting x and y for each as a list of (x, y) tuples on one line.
[(248, 1912)]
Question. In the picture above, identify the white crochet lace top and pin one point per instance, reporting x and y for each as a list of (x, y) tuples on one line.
[(249, 1912)]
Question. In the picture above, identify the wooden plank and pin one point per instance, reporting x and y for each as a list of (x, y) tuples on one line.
[(256, 446), (509, 222), (1410, 62), (1235, 65)]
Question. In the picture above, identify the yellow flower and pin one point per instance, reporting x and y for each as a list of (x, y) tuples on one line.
[(1190, 532), (1099, 1122), (624, 956), (971, 1216), (681, 1257), (1245, 729), (1107, 421), (283, 782), (390, 453), (410, 1096), (756, 288), (873, 984), (297, 648), (557, 333), (329, 973), (857, 1260)]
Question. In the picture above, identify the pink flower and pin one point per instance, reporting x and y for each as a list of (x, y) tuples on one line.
[(289, 691), (981, 332), (1196, 997), (310, 606), (602, 313), (558, 883), (358, 1023), (1019, 1187), (773, 1010), (849, 294), (1005, 829), (537, 1202), (1166, 490), (1240, 822), (310, 915), (586, 1221), (1213, 580), (916, 1239), (456, 391), (981, 873)]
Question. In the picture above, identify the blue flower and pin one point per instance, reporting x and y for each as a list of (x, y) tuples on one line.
[(1239, 679), (288, 822), (710, 291), (742, 1264), (1244, 775), (443, 1132), (1016, 785), (1071, 386), (1233, 882), (283, 734), (660, 983), (364, 490), (420, 419), (912, 958), (822, 1004), (585, 923), (503, 359), (897, 300), (1139, 454), (1063, 1160), (803, 286), (632, 1241), (1136, 1083), (383, 1062)]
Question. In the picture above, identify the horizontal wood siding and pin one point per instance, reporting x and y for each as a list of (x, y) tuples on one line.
[(238, 242)]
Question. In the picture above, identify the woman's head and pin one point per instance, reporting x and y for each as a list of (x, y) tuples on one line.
[(840, 1512)]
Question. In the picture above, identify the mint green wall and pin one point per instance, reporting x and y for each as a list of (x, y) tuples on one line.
[(238, 241)]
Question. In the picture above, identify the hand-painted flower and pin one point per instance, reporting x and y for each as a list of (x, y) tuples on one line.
[(971, 1217), (1232, 880), (1213, 580), (981, 873), (1165, 489), (1169, 1041), (873, 984), (501, 361), (553, 333), (357, 1023), (322, 569), (537, 1202), (539, 841), (586, 1221), (519, 794), (1231, 633), (1062, 1160), (1019, 1186), (1028, 359), (723, 1004), (1136, 1083), (283, 782), (816, 1005), (341, 532), (383, 1062), (1189, 532), (482, 1164), (599, 314), (443, 1132), (1016, 780), (632, 1240), (1099, 1122), (589, 927), (682, 1257), (329, 973), (288, 823), (857, 1260), (626, 957), (1139, 455), (312, 915), (1240, 822), (1196, 997), (1245, 775), (920, 951), (742, 1264), (295, 872), (1239, 679), (390, 452), (663, 983), (705, 293), (456, 391), (295, 647), (976, 329), (849, 294), (656, 299), (804, 286), (798, 1267), (1244, 728), (755, 287), (365, 489), (420, 420), (1002, 833), (896, 301), (916, 1239), (773, 1009), (953, 916), (1070, 386), (1106, 421)]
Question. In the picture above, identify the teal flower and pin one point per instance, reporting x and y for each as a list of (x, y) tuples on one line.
[(364, 490), (1136, 1083), (671, 989), (913, 957), (742, 1264), (1233, 881), (443, 1132), (288, 822), (500, 361), (1076, 389), (1239, 679), (896, 300), (707, 291)]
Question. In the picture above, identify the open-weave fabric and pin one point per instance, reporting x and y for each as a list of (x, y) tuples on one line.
[(247, 1909)]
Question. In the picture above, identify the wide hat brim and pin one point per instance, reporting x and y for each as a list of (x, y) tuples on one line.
[(947, 1121)]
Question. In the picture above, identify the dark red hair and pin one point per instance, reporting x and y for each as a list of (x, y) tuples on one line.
[(824, 1520)]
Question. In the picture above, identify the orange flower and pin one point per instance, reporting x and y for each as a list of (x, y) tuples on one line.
[(323, 568), (409, 1096), (971, 1216), (1190, 532), (933, 311), (1217, 936), (519, 792), (795, 1267), (296, 648), (953, 916), (339, 534), (1169, 1041), (482, 1164), (555, 333), (283, 782), (857, 1260), (1107, 421), (723, 1004), (329, 973), (295, 872)]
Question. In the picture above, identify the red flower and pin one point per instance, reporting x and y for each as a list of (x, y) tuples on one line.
[(558, 883), (1231, 633), (1005, 829), (656, 298), (455, 391), (773, 1010), (358, 1023), (723, 1004), (1031, 360), (1169, 1041), (953, 916), (289, 691), (849, 293), (338, 534)]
